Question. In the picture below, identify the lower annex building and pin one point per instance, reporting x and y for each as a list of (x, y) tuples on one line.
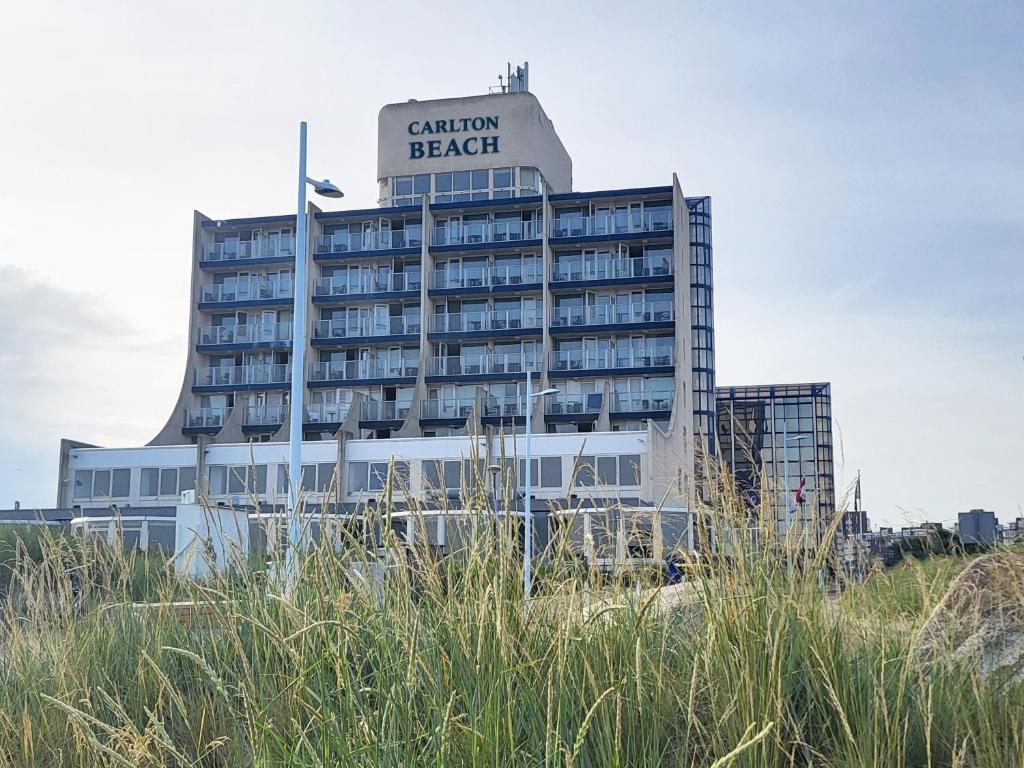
[(480, 263)]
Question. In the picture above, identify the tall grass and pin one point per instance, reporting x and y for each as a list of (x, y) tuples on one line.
[(444, 663)]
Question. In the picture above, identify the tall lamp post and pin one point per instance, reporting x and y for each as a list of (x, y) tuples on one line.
[(326, 189), (527, 508)]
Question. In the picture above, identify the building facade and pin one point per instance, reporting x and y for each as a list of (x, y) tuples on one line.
[(480, 264)]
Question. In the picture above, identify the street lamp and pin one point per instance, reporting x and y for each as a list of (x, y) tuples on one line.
[(527, 510), (327, 189)]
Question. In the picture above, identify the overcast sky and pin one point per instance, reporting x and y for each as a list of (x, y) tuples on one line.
[(865, 160)]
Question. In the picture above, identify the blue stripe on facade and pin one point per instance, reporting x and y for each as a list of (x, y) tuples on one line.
[(504, 333), (570, 330), (251, 428), (221, 223), (208, 348), (200, 430), (381, 423), (485, 289), (396, 295), (322, 426), (239, 387), (649, 370), (364, 340), (455, 379), (216, 306), (640, 414), (564, 285), (653, 234), (491, 246), (379, 253), (396, 210), (453, 422), (569, 418), (331, 383), (230, 264)]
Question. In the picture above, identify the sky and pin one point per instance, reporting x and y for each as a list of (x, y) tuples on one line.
[(865, 161)]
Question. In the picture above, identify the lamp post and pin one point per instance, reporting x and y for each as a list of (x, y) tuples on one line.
[(299, 300), (527, 510)]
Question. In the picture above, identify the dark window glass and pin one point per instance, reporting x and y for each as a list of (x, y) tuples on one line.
[(237, 477), (308, 478), (168, 482), (378, 474), (431, 475), (121, 483), (258, 478), (443, 182), (101, 483), (422, 184), (480, 180), (606, 470), (357, 472), (324, 477), (149, 484), (551, 472), (460, 181), (452, 478), (585, 471), (187, 479), (629, 470)]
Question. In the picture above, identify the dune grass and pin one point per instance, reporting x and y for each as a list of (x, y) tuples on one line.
[(446, 664)]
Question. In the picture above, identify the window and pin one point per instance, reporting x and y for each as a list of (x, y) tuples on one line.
[(83, 484), (629, 470), (186, 479), (168, 482), (101, 483), (149, 484), (357, 476), (235, 481), (324, 477), (585, 471), (503, 178), (607, 470), (545, 472), (373, 476)]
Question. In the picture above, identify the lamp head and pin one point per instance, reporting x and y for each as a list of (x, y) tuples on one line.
[(326, 189)]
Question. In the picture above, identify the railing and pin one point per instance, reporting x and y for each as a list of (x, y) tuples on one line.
[(327, 413), (578, 360), (612, 314), (247, 290), (342, 285), (353, 370), (378, 410), (637, 402), (446, 408), (609, 269), (508, 405), (474, 232), (206, 417), (346, 242), (360, 327), (239, 375), (612, 224), (264, 415), (250, 333), (483, 276), (485, 320), (472, 365), (263, 248), (563, 404)]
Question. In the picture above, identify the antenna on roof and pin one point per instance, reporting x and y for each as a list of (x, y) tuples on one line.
[(515, 81)]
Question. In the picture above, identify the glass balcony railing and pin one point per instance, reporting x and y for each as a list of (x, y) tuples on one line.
[(612, 314), (206, 417), (277, 373), (638, 402), (579, 360), (474, 365), (327, 413), (264, 415), (265, 248), (612, 224), (378, 410), (446, 408), (476, 232), (565, 404), (485, 320), (362, 327), (355, 370), (250, 333), (609, 269), (256, 289), (348, 242), (485, 276), (509, 405), (342, 285)]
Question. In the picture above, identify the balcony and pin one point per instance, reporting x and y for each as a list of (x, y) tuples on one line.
[(378, 410), (270, 249), (361, 242), (248, 376), (613, 315), (327, 413), (573, 405), (499, 322), (251, 334), (446, 409), (567, 361), (641, 402), (507, 407), (613, 224), (264, 416), (257, 290), (205, 419), (481, 277), (358, 328), (372, 285), (578, 270), (351, 371), (481, 232), (483, 365)]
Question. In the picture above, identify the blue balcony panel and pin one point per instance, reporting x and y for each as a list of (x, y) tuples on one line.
[(332, 383), (486, 289), (565, 285), (240, 387), (494, 245), (647, 370), (468, 378), (486, 333), (216, 306), (241, 346), (570, 330), (654, 234), (571, 418), (346, 297), (366, 254), (203, 430), (344, 341)]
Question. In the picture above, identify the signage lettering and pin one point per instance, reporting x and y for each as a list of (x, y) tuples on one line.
[(472, 145)]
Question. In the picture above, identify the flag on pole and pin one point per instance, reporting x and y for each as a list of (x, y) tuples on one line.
[(801, 493)]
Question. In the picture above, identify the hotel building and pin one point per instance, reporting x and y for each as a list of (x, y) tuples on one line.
[(480, 263)]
